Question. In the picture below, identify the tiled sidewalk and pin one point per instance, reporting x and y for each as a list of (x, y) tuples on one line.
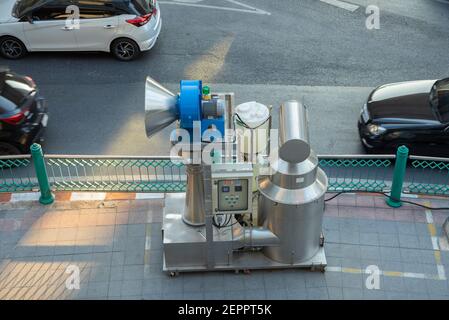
[(116, 246)]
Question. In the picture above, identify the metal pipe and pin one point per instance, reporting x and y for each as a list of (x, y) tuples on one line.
[(256, 237), (194, 212), (293, 132)]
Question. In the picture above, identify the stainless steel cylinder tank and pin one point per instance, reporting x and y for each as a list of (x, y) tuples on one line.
[(291, 202), (194, 213)]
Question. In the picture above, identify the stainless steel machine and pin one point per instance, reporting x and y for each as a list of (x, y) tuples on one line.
[(223, 222)]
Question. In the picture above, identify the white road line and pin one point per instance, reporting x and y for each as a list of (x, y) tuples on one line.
[(146, 196), (429, 217), (333, 269), (342, 5), (414, 275), (147, 243), (441, 272), (435, 245), (27, 196), (87, 196), (248, 6), (188, 4)]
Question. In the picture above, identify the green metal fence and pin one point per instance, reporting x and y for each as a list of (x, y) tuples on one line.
[(126, 174), (365, 173), (358, 172), (419, 181), (17, 174)]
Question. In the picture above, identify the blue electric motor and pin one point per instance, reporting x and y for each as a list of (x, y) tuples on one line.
[(193, 104), (192, 107)]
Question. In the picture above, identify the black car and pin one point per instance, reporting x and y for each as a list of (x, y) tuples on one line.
[(23, 113), (413, 113)]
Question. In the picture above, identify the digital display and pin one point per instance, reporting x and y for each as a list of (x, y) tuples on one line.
[(225, 189), (238, 189)]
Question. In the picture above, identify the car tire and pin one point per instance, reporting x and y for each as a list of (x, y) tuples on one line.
[(7, 149), (12, 48), (125, 49)]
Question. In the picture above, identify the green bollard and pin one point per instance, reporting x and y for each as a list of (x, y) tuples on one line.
[(398, 177), (41, 174)]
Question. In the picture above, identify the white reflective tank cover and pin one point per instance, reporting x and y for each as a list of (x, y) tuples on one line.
[(252, 113)]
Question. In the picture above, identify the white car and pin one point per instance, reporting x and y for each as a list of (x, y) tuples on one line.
[(123, 27)]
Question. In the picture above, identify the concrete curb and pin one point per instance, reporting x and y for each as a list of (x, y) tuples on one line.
[(79, 196)]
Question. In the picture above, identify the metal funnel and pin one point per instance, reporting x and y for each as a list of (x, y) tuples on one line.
[(160, 107)]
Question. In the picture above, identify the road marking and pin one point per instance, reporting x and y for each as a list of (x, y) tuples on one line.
[(342, 5), (147, 196), (248, 9), (413, 275), (441, 272), (435, 242), (27, 196), (87, 196), (429, 217)]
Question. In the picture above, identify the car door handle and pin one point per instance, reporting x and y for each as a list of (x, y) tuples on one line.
[(109, 26)]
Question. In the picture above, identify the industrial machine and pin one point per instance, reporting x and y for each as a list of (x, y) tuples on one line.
[(234, 215)]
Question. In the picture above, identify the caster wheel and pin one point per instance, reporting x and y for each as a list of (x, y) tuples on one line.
[(322, 240), (246, 271), (173, 274)]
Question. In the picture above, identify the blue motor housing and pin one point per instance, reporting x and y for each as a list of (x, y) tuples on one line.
[(190, 103)]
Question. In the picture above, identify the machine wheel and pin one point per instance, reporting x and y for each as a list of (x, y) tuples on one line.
[(12, 48), (125, 49), (173, 274), (320, 268)]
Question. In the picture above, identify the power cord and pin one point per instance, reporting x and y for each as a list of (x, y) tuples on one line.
[(388, 196)]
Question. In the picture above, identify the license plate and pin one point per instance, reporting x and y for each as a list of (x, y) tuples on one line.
[(44, 120)]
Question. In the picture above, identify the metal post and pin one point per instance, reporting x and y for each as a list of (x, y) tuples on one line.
[(41, 174), (398, 177)]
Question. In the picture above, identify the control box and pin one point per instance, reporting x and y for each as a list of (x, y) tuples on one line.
[(232, 188)]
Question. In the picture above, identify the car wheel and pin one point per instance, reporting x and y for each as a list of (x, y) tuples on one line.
[(12, 48), (7, 149), (125, 49)]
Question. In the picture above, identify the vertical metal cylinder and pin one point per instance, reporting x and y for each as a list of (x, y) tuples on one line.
[(194, 212), (293, 132), (291, 204), (41, 174), (398, 177)]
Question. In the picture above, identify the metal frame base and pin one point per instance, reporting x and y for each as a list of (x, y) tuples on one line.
[(186, 248)]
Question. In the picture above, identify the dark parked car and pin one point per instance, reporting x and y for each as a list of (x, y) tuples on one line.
[(413, 113), (23, 114)]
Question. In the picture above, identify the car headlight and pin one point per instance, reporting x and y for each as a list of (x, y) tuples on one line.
[(364, 113), (375, 129)]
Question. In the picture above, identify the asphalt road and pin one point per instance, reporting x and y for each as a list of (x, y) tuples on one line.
[(304, 49)]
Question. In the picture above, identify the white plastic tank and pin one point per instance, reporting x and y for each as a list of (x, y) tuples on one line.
[(252, 128)]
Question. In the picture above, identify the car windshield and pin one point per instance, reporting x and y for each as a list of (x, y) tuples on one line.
[(9, 97), (439, 98), (23, 6)]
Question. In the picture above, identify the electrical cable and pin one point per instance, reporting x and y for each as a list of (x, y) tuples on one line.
[(388, 196)]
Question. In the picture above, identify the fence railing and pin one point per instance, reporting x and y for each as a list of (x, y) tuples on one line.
[(126, 174), (354, 173), (17, 174)]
